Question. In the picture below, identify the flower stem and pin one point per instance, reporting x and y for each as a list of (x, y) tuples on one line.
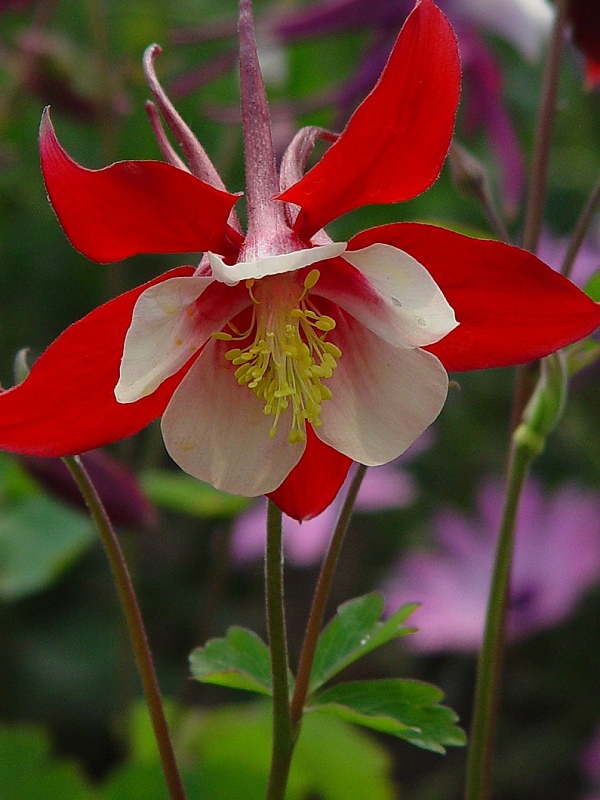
[(135, 625), (534, 213), (283, 738), (581, 229), (317, 611), (539, 172), (479, 762)]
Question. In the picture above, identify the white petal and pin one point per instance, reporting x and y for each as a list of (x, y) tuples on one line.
[(167, 329), (216, 430), (400, 302), (383, 397), (525, 23), (272, 265)]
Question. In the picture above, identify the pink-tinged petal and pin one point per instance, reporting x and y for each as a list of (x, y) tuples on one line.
[(171, 321), (395, 143), (511, 307), (134, 207), (216, 430), (390, 293), (383, 396), (272, 265), (314, 482), (67, 403)]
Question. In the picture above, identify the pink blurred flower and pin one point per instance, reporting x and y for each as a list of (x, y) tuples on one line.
[(557, 558), (590, 764), (305, 543), (553, 249)]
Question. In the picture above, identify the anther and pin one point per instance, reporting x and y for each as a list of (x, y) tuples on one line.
[(311, 279)]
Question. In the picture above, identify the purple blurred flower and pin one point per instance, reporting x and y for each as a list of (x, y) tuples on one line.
[(591, 765), (524, 23), (305, 543), (557, 558), (7, 4), (117, 487), (552, 250)]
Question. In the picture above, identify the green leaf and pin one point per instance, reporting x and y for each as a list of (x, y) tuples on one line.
[(408, 709), (354, 632), (15, 484), (27, 769), (225, 753), (592, 287), (179, 492), (39, 538), (240, 661), (332, 760)]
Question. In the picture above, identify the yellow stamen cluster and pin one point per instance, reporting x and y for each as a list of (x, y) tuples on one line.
[(289, 357)]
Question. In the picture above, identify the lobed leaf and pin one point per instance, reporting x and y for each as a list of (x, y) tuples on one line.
[(240, 661), (355, 631), (408, 709)]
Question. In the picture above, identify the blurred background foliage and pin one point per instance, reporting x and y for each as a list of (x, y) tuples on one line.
[(71, 726)]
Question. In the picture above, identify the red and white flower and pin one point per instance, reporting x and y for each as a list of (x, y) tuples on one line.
[(284, 355)]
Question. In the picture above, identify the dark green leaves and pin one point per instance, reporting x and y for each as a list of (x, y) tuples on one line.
[(355, 631), (39, 538), (240, 661), (408, 709)]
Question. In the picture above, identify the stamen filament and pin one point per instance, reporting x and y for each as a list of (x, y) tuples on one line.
[(289, 356)]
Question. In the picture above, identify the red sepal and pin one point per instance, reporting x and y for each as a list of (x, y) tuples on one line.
[(584, 16), (395, 143), (592, 72), (314, 482), (512, 308), (134, 207), (67, 404)]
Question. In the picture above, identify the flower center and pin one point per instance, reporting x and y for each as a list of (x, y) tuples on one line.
[(289, 356)]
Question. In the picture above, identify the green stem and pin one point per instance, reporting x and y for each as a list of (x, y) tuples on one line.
[(545, 125), (581, 229), (135, 625), (283, 739), (479, 762), (26, 62), (470, 177), (105, 90), (317, 611), (534, 214)]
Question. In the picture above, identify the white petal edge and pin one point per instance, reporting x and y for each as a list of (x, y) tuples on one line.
[(412, 310), (215, 430), (384, 397), (272, 265), (524, 23), (166, 330)]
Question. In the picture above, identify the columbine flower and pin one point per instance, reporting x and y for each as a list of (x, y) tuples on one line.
[(524, 23), (556, 560), (284, 356)]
